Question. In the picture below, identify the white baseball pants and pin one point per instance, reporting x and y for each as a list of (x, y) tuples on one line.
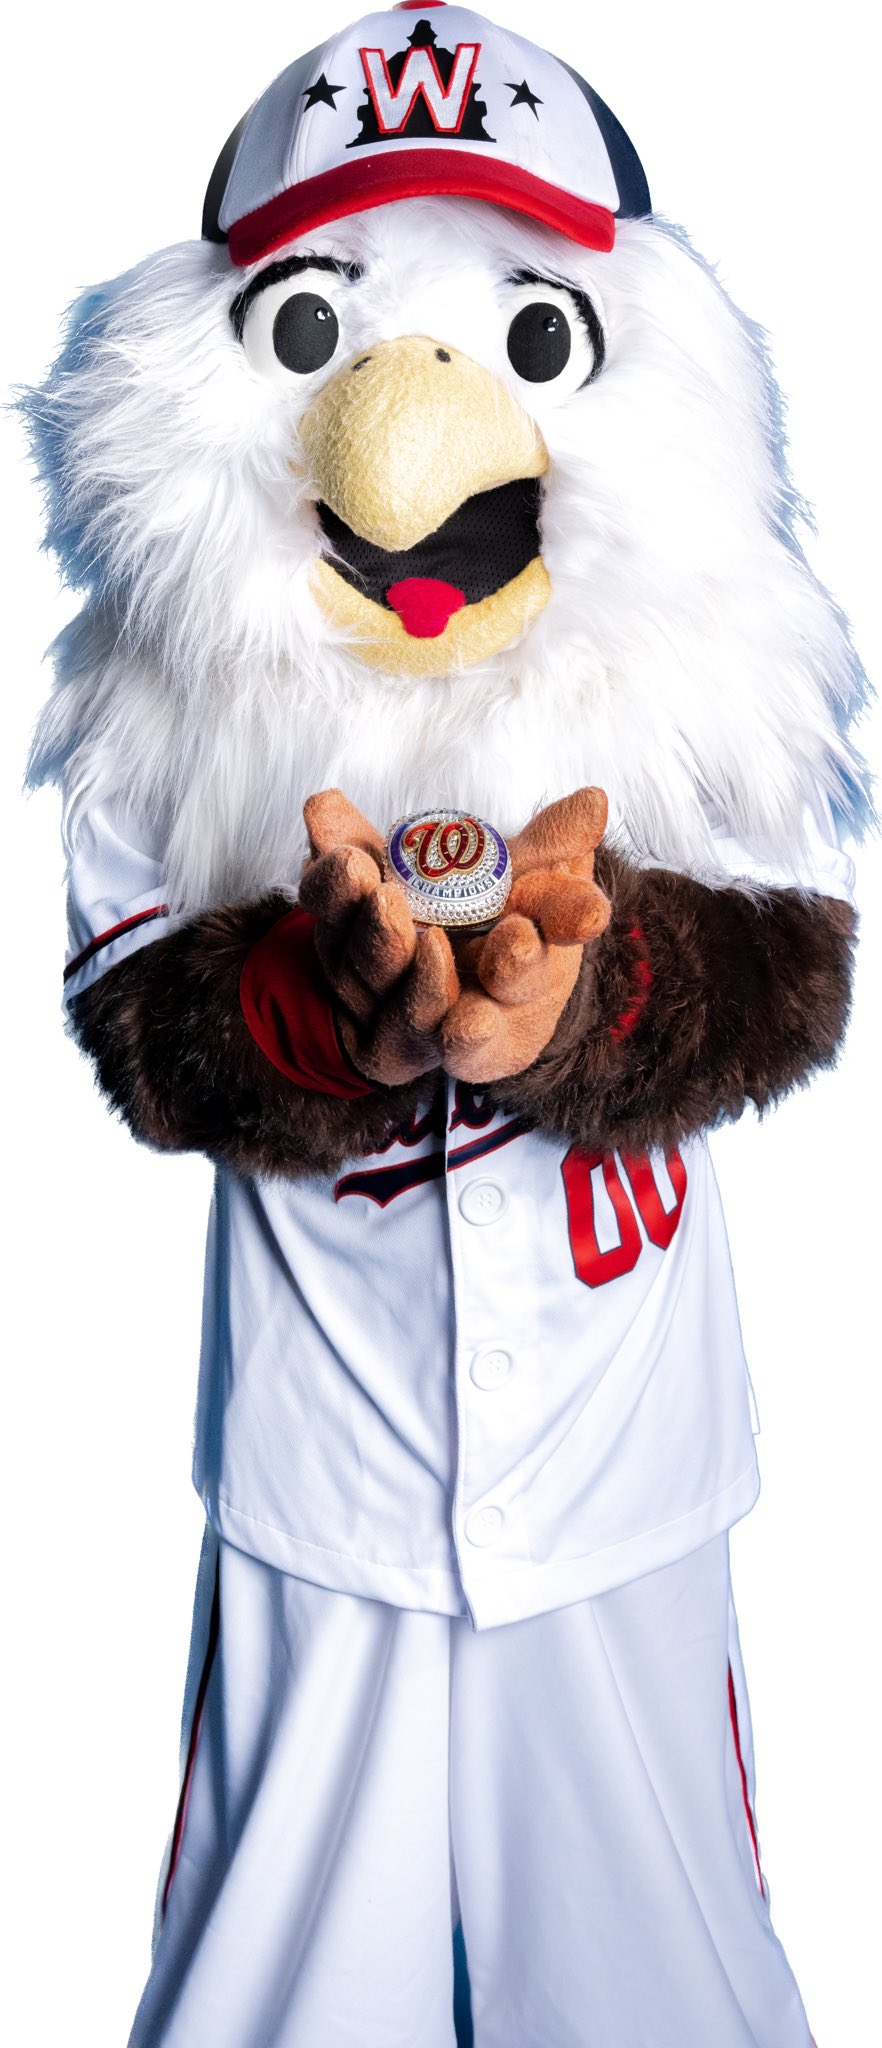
[(578, 1787)]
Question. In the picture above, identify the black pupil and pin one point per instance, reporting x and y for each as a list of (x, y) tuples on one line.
[(305, 332), (539, 343)]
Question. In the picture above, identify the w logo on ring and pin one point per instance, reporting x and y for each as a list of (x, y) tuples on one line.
[(421, 91), (453, 847)]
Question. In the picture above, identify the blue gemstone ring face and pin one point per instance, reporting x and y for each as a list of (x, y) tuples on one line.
[(454, 869)]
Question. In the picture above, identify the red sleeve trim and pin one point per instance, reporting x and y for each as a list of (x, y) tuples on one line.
[(288, 1008), (641, 983), (115, 931)]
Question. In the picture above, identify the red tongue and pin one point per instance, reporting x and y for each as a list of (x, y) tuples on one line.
[(424, 605)]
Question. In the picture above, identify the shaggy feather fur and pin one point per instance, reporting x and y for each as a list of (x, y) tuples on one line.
[(170, 1046), (747, 997), (688, 661)]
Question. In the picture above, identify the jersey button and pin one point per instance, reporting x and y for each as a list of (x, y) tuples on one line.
[(484, 1525), (483, 1201), (490, 1369)]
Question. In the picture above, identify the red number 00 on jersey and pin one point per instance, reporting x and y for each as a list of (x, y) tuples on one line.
[(642, 1197)]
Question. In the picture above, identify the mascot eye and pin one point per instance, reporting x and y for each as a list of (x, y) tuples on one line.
[(539, 343), (288, 328), (305, 333), (555, 335)]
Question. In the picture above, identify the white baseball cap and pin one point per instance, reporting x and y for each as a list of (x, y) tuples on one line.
[(423, 98)]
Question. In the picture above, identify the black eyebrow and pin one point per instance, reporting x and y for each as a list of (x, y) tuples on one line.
[(587, 312), (275, 273)]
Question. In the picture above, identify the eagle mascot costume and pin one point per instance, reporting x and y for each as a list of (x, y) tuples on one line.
[(453, 746)]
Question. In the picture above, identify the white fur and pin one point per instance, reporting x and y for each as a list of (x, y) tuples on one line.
[(687, 661)]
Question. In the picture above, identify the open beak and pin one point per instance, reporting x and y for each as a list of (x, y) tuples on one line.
[(427, 471)]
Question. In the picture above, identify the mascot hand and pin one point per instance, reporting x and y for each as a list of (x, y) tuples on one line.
[(519, 976), (394, 983)]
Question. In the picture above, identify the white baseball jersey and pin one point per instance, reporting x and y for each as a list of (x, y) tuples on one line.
[(481, 1372)]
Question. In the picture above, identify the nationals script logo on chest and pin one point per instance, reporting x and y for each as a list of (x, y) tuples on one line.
[(421, 91)]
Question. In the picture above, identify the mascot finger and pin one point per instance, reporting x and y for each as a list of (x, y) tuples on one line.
[(332, 821), (566, 831), (336, 884), (382, 940), (336, 888), (510, 962), (432, 986), (405, 1042), (483, 1042), (486, 1040), (568, 908)]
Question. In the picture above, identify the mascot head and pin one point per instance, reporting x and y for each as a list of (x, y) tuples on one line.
[(428, 456), (440, 469)]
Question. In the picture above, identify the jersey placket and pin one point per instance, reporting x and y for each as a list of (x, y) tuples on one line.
[(495, 1295)]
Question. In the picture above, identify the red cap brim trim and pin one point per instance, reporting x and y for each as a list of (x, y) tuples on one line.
[(415, 174)]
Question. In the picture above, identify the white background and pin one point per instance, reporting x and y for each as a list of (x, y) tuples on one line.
[(757, 126)]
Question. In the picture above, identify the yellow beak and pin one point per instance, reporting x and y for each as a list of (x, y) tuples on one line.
[(395, 444), (406, 432)]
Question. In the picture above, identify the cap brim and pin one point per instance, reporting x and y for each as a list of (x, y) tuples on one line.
[(414, 174)]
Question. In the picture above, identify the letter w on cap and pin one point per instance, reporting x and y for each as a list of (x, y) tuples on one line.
[(393, 105)]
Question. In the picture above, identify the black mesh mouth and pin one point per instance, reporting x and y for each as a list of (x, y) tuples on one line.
[(484, 544)]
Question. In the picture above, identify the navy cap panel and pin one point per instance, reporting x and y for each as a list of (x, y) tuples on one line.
[(634, 195), (217, 185)]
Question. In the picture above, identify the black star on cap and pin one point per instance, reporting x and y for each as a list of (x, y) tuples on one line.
[(322, 94), (523, 97)]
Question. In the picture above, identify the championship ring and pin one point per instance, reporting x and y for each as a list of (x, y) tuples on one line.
[(455, 870)]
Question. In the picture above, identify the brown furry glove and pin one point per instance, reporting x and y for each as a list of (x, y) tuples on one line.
[(519, 976), (395, 983)]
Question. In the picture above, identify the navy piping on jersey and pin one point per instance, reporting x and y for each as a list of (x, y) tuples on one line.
[(381, 1184)]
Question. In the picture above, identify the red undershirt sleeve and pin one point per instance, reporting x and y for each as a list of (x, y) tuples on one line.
[(287, 1004)]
